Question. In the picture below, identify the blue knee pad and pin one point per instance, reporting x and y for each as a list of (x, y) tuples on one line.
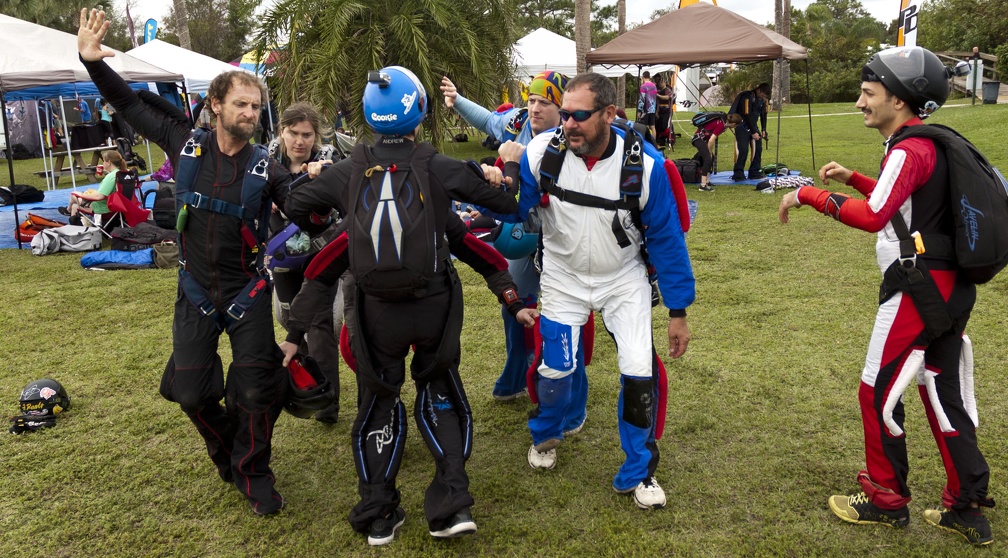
[(636, 408)]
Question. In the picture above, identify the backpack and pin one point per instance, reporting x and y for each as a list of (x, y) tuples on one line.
[(979, 201), (24, 193), (163, 208), (393, 235), (125, 148), (703, 118), (631, 184), (139, 237)]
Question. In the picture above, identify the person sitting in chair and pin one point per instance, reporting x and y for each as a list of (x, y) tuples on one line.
[(92, 202)]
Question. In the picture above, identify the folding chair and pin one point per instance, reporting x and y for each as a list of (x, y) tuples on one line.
[(125, 207)]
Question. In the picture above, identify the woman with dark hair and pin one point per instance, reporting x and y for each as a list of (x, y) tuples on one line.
[(300, 142)]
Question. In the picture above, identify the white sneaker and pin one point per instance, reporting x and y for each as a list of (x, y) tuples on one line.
[(577, 428), (542, 459), (649, 495)]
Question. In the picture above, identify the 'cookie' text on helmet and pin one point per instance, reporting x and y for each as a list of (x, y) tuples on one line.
[(395, 102)]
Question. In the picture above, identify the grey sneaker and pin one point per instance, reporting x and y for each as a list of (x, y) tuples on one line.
[(706, 188), (460, 524), (383, 529)]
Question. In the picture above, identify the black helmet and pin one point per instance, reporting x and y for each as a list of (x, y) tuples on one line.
[(45, 397), (40, 402), (913, 74), (310, 391)]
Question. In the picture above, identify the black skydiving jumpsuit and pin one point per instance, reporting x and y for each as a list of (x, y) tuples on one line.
[(320, 339), (238, 436), (388, 329)]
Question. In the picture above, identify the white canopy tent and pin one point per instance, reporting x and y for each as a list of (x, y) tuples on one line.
[(543, 49), (33, 56), (197, 69)]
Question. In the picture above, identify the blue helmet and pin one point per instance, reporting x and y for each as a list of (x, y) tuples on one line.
[(395, 102), (514, 242)]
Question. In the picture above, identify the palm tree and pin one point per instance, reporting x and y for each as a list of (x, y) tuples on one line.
[(582, 32), (334, 43)]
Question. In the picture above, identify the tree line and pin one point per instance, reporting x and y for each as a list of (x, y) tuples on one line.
[(330, 44)]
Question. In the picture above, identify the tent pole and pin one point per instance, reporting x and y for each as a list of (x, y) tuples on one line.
[(50, 177), (66, 138), (808, 101), (780, 109), (44, 142), (188, 107), (10, 165)]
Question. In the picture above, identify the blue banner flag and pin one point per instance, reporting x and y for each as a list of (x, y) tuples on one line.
[(150, 30)]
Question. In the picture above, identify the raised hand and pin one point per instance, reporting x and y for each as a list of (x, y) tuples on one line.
[(93, 27)]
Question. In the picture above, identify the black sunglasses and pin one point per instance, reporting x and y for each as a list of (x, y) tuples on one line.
[(577, 115)]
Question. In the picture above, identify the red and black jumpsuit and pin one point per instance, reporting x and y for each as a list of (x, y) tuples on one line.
[(238, 435), (389, 329), (914, 183)]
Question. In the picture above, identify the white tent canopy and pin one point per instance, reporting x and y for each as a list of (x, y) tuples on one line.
[(199, 70), (543, 49), (32, 55)]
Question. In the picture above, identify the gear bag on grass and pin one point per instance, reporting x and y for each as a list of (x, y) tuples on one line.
[(979, 201), (393, 245)]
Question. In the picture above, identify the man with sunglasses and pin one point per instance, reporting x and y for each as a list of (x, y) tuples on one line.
[(521, 125), (585, 268)]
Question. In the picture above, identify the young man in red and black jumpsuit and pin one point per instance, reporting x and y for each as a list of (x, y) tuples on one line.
[(215, 253), (899, 87)]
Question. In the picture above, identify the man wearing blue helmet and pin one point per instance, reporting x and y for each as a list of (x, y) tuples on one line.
[(519, 241), (393, 193)]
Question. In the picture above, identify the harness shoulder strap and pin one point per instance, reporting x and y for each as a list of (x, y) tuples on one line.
[(188, 165)]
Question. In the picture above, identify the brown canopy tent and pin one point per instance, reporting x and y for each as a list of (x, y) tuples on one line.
[(699, 34)]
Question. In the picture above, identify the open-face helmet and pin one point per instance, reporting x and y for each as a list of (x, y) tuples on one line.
[(310, 391), (44, 398), (395, 102)]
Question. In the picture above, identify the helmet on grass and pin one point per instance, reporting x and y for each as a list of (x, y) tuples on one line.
[(44, 398), (395, 102), (913, 74)]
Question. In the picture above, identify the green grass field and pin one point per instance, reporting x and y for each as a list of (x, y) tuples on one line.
[(763, 423)]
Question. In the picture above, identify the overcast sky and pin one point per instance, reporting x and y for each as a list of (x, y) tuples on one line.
[(638, 11)]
